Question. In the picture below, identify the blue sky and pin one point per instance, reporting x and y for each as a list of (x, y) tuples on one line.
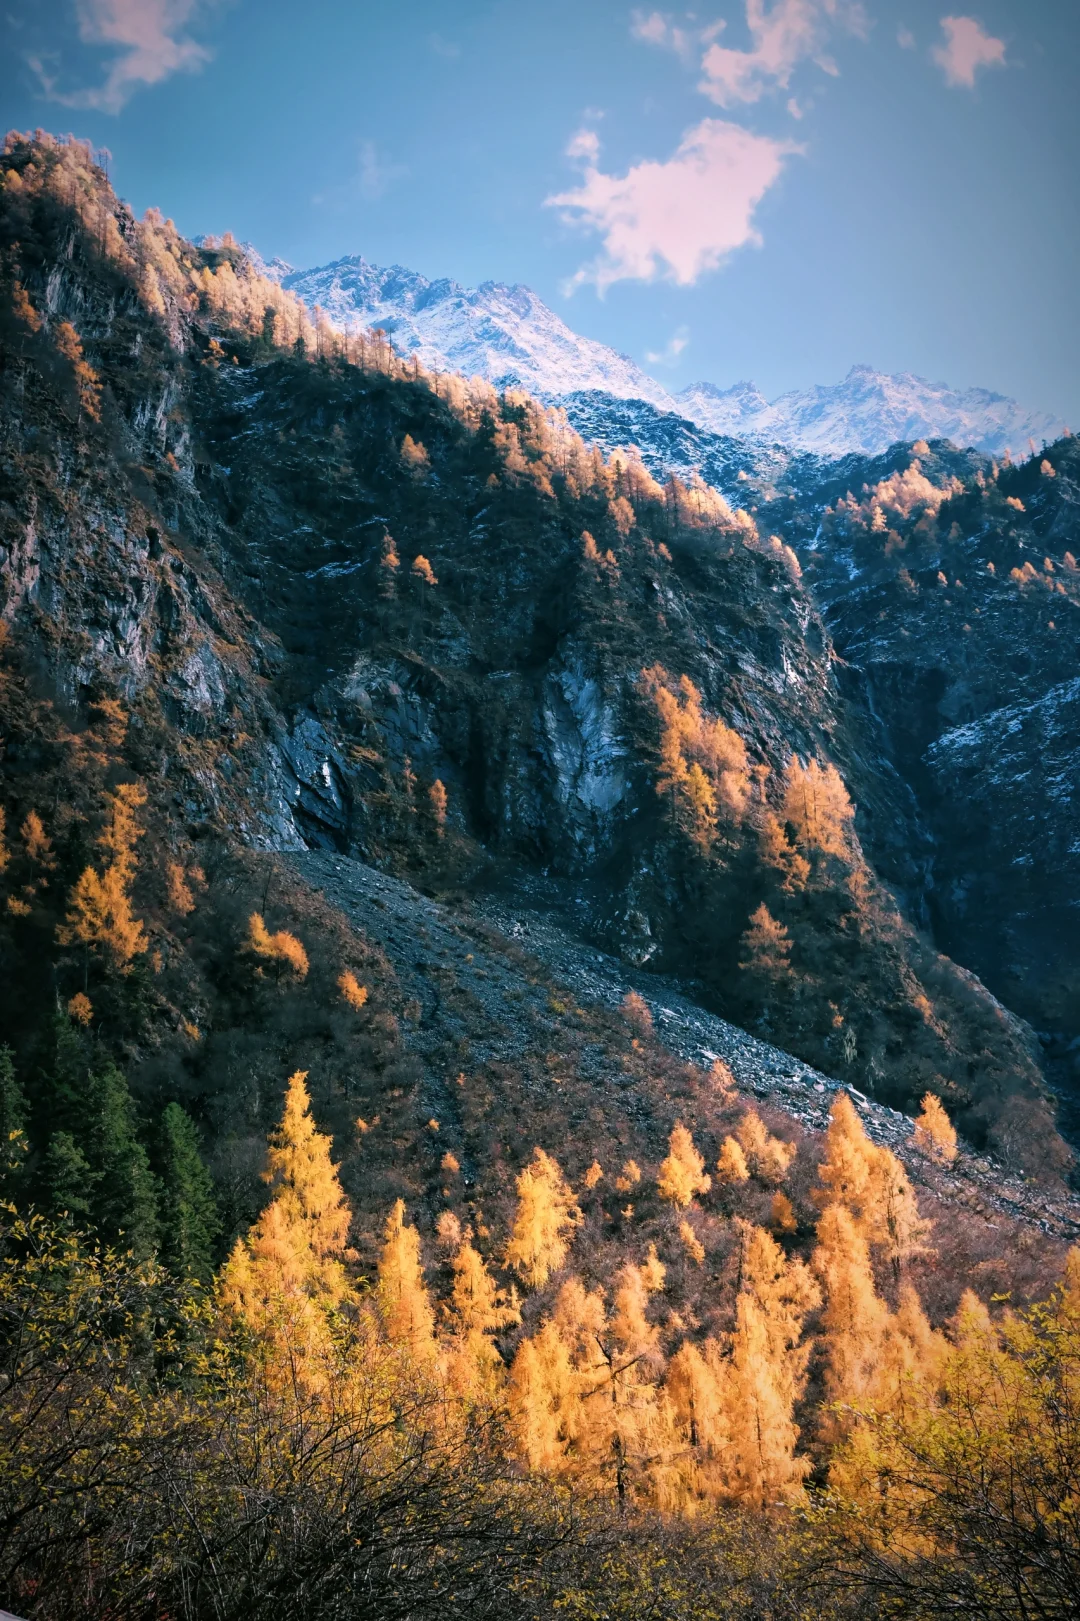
[(766, 189)]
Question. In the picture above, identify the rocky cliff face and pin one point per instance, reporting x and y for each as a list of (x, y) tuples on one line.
[(324, 589), (962, 634)]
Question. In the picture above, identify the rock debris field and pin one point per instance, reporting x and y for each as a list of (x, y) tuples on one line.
[(507, 960)]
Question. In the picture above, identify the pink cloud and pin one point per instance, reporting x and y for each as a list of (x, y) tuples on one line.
[(966, 49), (656, 28), (782, 37), (146, 32), (676, 220), (651, 29)]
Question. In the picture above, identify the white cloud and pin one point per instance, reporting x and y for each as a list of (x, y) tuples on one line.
[(444, 47), (148, 35), (679, 219), (371, 179), (966, 49), (375, 175), (584, 146), (789, 33), (905, 38), (652, 30), (669, 354), (658, 29)]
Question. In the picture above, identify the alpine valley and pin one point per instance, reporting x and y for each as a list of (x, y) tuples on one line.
[(570, 786)]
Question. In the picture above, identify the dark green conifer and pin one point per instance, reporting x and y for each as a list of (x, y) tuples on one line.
[(125, 1204), (189, 1215), (60, 1094), (67, 1181), (14, 1111)]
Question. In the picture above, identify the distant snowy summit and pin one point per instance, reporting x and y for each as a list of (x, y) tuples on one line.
[(509, 336), (869, 411)]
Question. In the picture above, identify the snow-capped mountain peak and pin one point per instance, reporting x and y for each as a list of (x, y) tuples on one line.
[(869, 411), (509, 336), (503, 333)]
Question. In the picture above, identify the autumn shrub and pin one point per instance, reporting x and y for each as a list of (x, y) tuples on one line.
[(281, 948)]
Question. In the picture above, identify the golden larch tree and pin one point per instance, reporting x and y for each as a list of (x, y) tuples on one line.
[(766, 1374), (281, 948), (404, 1303), (777, 851), (694, 1388), (817, 808), (768, 1157), (855, 1319), (288, 1277), (37, 845), (544, 1222), (765, 947), (87, 382), (354, 993), (478, 1310), (438, 802), (414, 456), (625, 1429), (731, 1167), (99, 914), (682, 1174), (702, 762), (935, 1135), (553, 1373), (872, 1185)]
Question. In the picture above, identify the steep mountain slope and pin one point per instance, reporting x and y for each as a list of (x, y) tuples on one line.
[(509, 337), (951, 587), (310, 603), (669, 442)]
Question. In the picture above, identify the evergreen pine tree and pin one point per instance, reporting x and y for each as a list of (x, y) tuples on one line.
[(124, 1205), (60, 1089), (14, 1112), (189, 1217), (66, 1180)]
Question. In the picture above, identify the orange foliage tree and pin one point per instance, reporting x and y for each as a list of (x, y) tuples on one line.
[(99, 914), (682, 1173), (287, 1278), (281, 948), (703, 768), (935, 1135), (544, 1222)]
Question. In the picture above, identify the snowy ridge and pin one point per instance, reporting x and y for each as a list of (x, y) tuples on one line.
[(868, 412), (504, 334), (671, 443), (509, 336)]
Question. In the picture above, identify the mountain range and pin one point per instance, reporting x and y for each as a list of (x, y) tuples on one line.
[(511, 338), (535, 994)]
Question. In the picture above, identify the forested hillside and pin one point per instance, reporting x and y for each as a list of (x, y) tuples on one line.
[(520, 1311)]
